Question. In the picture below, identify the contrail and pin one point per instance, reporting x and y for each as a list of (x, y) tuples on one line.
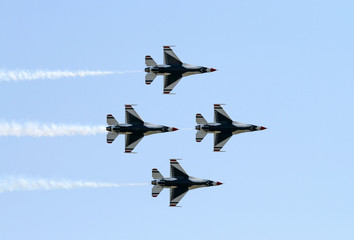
[(33, 129), (20, 75), (186, 129), (12, 184)]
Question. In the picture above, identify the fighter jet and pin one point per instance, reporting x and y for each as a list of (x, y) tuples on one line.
[(172, 69), (179, 183), (223, 127), (134, 128)]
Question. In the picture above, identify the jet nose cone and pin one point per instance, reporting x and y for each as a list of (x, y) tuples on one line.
[(174, 129), (263, 128), (218, 183), (212, 69)]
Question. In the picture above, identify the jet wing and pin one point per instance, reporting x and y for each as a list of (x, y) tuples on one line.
[(131, 140), (131, 116), (220, 139), (170, 58), (176, 170), (176, 194), (170, 81), (220, 116)]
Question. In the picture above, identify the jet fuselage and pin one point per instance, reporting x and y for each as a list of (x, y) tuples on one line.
[(227, 127), (183, 70), (138, 128), (190, 182)]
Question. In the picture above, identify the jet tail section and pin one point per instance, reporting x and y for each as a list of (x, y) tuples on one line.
[(149, 78), (111, 120), (149, 61), (156, 174), (111, 136), (156, 191), (200, 135), (200, 119)]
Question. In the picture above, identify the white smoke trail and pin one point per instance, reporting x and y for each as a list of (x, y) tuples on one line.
[(11, 184), (20, 75), (48, 130)]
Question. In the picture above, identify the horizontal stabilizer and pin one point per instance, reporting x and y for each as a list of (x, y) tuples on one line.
[(149, 78), (156, 174), (200, 135), (111, 136), (200, 119), (111, 120), (149, 61), (156, 191)]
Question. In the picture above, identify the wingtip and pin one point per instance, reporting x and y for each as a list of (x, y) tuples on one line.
[(175, 159)]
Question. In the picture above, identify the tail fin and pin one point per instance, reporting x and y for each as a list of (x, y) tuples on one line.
[(111, 120), (200, 119), (156, 191), (200, 135), (149, 77), (111, 136), (149, 61), (156, 174)]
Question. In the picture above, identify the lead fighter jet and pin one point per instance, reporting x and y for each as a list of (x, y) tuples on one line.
[(173, 69), (223, 127), (179, 183), (134, 128)]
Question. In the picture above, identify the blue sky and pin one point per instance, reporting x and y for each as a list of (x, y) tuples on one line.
[(282, 64)]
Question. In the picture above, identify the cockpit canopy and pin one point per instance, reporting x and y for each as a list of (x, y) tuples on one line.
[(253, 128), (203, 69), (210, 183)]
